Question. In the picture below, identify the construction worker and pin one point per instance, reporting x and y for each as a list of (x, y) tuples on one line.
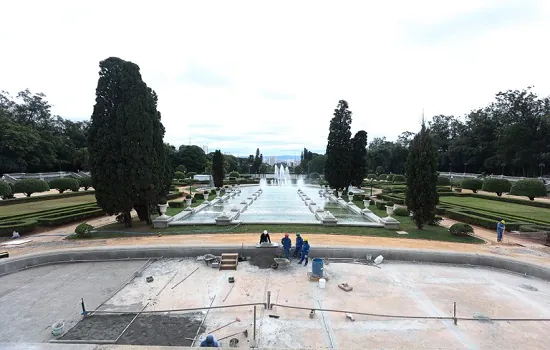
[(501, 226), (299, 244), (264, 237), (305, 252), (210, 342), (287, 243)]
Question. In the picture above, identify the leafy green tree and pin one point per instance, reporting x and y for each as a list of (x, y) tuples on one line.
[(530, 188), (85, 182), (472, 184), (128, 163), (338, 163), (30, 186), (65, 183), (218, 171), (358, 158), (5, 190), (421, 194), (193, 158), (317, 164), (498, 186)]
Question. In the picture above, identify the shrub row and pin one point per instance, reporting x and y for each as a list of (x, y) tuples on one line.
[(36, 214), (44, 197), (64, 218), (394, 199), (534, 228), (499, 199), (21, 226), (481, 219), (65, 183)]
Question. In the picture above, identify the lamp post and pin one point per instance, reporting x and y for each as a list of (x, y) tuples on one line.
[(541, 166), (503, 165)]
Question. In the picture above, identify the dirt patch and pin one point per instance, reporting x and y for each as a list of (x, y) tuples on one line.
[(529, 287), (104, 327), (161, 330), (264, 258)]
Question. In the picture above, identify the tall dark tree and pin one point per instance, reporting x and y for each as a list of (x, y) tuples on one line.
[(258, 159), (358, 158), (338, 163), (193, 158), (421, 170), (128, 160), (218, 171)]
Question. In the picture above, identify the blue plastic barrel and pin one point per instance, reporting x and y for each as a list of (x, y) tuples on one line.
[(317, 267)]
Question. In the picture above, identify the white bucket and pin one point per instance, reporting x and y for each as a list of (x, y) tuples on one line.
[(322, 283), (57, 328)]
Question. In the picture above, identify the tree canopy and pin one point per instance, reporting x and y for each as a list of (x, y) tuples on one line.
[(421, 167), (128, 161), (338, 165)]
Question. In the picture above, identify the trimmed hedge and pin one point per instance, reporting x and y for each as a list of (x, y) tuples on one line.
[(5, 189), (460, 229), (443, 181), (85, 182), (47, 212), (498, 186), (359, 197), (371, 176), (83, 230), (401, 211), (399, 178), (381, 205), (472, 184), (393, 199), (481, 219), (21, 226), (529, 188), (65, 183), (43, 198), (498, 199), (382, 177), (63, 218), (534, 228), (30, 186), (199, 196), (390, 177)]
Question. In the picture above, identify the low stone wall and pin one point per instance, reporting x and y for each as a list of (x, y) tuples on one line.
[(15, 264)]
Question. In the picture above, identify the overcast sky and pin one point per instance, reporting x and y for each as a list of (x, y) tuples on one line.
[(237, 75)]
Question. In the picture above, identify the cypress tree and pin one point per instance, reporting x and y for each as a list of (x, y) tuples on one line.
[(421, 170), (358, 158), (338, 163), (217, 168), (128, 162)]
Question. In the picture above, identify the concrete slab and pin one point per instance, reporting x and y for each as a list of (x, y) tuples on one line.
[(395, 289), (32, 301)]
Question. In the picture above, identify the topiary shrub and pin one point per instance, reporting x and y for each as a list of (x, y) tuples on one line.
[(398, 178), (401, 211), (460, 229), (390, 177), (30, 186), (63, 184), (371, 176), (529, 188), (179, 175), (472, 184), (83, 230), (5, 190), (381, 205), (199, 196), (382, 177), (85, 182), (212, 191), (389, 204), (188, 196), (443, 181), (234, 174), (371, 202), (498, 186)]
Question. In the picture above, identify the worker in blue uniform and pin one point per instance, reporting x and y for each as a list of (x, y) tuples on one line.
[(287, 243), (305, 252), (500, 230), (299, 244), (210, 342)]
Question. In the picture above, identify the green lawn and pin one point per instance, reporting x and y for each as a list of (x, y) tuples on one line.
[(528, 212), (26, 208), (436, 233)]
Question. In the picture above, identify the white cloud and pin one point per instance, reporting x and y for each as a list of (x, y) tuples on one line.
[(269, 75)]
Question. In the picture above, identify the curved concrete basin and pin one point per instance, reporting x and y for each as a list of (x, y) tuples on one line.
[(15, 264)]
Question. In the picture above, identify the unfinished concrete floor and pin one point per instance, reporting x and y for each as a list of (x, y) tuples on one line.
[(31, 301)]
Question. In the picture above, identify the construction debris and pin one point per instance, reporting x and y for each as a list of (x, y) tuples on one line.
[(229, 261), (345, 287), (378, 260), (350, 317), (312, 314), (189, 275), (231, 279), (4, 255), (274, 316), (149, 279)]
